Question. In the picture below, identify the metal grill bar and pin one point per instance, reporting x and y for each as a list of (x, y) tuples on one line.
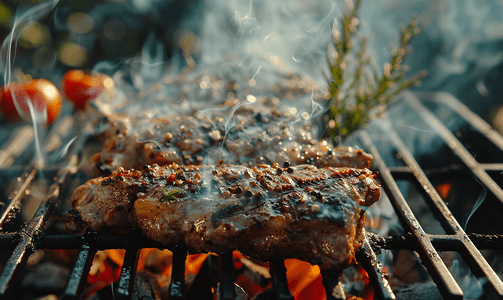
[(470, 253), (456, 240), (14, 265), (26, 246), (437, 269), (440, 242), (82, 266), (332, 285), (279, 281), (456, 146), (177, 273), (33, 236), (373, 267), (470, 117), (128, 272), (226, 276)]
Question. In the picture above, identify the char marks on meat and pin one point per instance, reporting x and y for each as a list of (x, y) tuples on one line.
[(220, 173), (313, 214)]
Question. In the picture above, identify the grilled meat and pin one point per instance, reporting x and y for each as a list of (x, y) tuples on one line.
[(313, 214), (311, 209), (282, 122), (193, 141)]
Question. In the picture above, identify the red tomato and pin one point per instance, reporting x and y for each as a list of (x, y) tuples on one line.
[(40, 94), (79, 87)]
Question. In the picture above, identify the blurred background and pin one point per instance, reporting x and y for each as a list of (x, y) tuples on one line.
[(460, 45)]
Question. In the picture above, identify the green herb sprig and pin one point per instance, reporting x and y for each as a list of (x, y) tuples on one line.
[(169, 196), (357, 89)]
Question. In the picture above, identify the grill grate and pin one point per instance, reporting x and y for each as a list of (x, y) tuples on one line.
[(428, 245), (34, 235)]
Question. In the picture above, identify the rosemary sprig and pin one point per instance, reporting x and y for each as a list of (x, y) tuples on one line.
[(357, 89), (169, 196)]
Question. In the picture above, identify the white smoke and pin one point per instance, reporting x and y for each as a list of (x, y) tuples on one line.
[(274, 35), (23, 17)]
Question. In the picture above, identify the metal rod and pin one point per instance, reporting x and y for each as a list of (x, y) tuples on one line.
[(333, 287), (279, 280), (26, 246), (226, 276), (447, 220), (81, 268), (472, 118), (177, 273), (474, 258), (482, 270), (456, 146), (374, 270), (437, 269), (487, 241), (14, 265), (128, 273)]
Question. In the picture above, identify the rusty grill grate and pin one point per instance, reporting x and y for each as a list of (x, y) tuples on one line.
[(475, 152)]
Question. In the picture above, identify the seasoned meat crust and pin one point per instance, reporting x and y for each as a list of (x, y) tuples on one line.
[(261, 136), (313, 214)]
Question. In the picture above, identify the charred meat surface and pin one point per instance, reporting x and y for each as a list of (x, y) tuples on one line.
[(313, 214)]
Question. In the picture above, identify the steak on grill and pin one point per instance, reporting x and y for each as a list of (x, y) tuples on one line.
[(304, 212), (258, 134)]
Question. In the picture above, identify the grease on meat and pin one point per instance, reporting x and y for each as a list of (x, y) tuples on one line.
[(313, 214)]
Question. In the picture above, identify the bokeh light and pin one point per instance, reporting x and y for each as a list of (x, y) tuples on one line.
[(5, 15), (73, 55), (34, 35), (251, 98), (188, 41), (80, 23)]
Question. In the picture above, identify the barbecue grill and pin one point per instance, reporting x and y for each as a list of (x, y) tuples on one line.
[(465, 149)]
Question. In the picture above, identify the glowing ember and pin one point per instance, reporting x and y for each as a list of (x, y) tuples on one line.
[(444, 189)]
